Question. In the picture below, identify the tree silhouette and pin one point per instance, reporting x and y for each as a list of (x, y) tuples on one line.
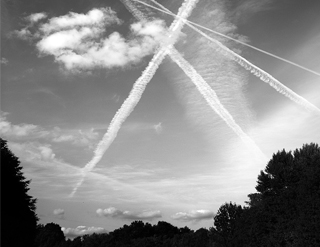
[(225, 223), (49, 235), (18, 217), (285, 211)]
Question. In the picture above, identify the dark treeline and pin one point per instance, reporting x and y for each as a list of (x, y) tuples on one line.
[(137, 234), (284, 211)]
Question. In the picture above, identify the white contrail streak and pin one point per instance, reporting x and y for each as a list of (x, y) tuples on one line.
[(133, 10), (261, 74), (135, 94), (190, 23), (212, 99), (206, 91)]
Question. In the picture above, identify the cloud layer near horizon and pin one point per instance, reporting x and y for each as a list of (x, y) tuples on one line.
[(128, 215), (81, 42), (81, 231), (194, 215)]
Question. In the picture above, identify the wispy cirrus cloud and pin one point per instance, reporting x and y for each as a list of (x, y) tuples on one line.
[(72, 233), (51, 176), (221, 73), (243, 9), (128, 215), (194, 215), (137, 126)]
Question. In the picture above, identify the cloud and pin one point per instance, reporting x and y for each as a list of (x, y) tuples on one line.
[(4, 61), (33, 151), (224, 76), (194, 215), (81, 230), (59, 212), (8, 129), (138, 126), (244, 9), (286, 129), (79, 41), (158, 128), (128, 215), (56, 135), (51, 177), (34, 18), (96, 17), (24, 34)]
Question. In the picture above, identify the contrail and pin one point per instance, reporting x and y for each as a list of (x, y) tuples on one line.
[(258, 72), (133, 10), (206, 91), (190, 23), (212, 99), (135, 94)]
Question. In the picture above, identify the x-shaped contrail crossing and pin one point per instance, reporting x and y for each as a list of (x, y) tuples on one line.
[(167, 48)]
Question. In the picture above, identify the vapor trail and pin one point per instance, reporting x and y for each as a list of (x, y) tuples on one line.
[(190, 23), (133, 10), (212, 99), (261, 74), (135, 94), (206, 91)]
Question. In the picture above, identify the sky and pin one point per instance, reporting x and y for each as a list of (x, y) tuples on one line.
[(67, 67)]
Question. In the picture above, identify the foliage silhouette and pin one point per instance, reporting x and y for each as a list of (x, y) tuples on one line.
[(49, 235), (225, 223), (285, 211), (18, 217)]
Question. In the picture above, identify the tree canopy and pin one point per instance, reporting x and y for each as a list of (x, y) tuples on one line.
[(18, 217), (285, 209)]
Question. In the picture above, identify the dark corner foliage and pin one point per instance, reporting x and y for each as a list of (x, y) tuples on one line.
[(18, 217), (284, 211)]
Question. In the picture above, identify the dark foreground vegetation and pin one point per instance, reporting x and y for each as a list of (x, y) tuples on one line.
[(284, 211)]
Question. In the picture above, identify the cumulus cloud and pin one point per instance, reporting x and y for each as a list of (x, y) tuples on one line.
[(59, 212), (81, 230), (96, 17), (79, 41), (194, 215), (128, 215), (8, 129), (24, 34), (34, 18), (34, 132)]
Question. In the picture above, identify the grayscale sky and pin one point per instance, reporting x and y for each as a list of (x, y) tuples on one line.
[(68, 65)]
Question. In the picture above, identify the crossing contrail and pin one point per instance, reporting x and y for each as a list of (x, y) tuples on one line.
[(212, 99), (206, 91), (135, 94), (190, 23), (255, 70)]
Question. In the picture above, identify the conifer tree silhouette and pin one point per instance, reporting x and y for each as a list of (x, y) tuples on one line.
[(18, 217)]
